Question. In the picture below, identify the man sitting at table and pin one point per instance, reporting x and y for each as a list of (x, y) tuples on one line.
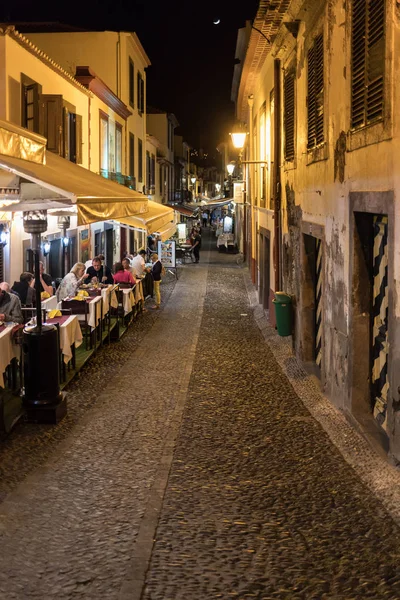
[(10, 305), (46, 285), (140, 271), (99, 273)]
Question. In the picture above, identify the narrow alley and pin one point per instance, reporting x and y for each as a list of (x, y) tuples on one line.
[(194, 472)]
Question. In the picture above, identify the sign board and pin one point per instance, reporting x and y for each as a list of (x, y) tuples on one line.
[(166, 253), (182, 233), (238, 191)]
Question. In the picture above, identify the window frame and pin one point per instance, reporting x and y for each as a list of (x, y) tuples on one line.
[(131, 83), (381, 130), (103, 117), (140, 92)]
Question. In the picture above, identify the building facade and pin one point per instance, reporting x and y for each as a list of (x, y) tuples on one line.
[(318, 90), (161, 125)]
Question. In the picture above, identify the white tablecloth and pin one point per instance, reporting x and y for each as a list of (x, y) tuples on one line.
[(70, 333), (109, 298), (226, 239), (128, 300), (50, 303), (138, 291), (8, 351), (95, 311)]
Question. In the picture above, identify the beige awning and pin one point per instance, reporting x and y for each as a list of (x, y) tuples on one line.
[(157, 217), (61, 184), (167, 232)]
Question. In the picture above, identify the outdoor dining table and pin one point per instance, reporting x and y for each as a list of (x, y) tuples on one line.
[(138, 291), (70, 334), (50, 303), (109, 298), (8, 350), (128, 300), (94, 317)]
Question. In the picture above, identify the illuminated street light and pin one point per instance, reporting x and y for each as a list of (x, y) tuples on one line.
[(230, 168), (238, 139)]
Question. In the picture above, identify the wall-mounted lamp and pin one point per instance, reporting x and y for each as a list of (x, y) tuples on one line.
[(3, 238), (46, 248), (230, 168), (238, 139), (65, 241), (193, 180)]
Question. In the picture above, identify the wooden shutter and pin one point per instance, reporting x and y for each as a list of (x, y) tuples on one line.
[(53, 122), (289, 114), (78, 139), (131, 155), (66, 134), (368, 61), (131, 84), (315, 93)]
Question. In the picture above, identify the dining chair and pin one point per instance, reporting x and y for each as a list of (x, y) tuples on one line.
[(80, 308)]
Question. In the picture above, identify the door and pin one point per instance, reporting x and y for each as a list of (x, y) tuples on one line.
[(55, 263), (318, 303), (266, 272), (379, 318), (109, 253)]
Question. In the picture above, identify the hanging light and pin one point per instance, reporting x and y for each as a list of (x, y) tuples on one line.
[(46, 247), (238, 139)]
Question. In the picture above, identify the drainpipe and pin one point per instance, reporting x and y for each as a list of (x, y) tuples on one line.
[(250, 102), (277, 171)]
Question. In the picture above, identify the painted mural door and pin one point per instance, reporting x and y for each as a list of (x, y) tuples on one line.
[(318, 303), (380, 310)]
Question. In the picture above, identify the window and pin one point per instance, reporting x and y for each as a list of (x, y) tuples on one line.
[(289, 118), (111, 146), (368, 62), (62, 127), (140, 93), (160, 175), (131, 155), (103, 143), (131, 83), (30, 104), (118, 148), (148, 172), (153, 172), (315, 93), (140, 160)]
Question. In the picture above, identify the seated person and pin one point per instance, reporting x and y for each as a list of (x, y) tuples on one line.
[(46, 284), (99, 273), (71, 282), (126, 263), (122, 275), (25, 288), (10, 305)]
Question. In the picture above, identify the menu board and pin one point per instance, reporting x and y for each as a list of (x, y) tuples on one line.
[(166, 253)]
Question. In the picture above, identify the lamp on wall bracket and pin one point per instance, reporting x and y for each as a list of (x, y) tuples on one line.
[(46, 247)]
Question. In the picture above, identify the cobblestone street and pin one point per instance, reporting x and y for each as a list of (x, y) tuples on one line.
[(194, 471)]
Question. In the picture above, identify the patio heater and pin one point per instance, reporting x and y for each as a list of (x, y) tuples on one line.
[(42, 398)]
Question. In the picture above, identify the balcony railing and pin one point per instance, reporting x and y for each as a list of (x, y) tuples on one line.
[(126, 180)]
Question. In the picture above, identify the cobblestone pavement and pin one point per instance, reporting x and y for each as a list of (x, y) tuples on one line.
[(201, 434)]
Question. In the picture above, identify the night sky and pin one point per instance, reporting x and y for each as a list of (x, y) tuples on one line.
[(192, 59)]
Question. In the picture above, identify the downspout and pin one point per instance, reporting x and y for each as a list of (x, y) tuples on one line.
[(252, 262), (277, 172)]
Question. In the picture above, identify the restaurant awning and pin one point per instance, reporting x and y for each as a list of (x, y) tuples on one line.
[(156, 217), (167, 232), (61, 184), (182, 210)]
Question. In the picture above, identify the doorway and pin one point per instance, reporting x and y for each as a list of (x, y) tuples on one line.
[(109, 253), (264, 268), (312, 301), (371, 316)]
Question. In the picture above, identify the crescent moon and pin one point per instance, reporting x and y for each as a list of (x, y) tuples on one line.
[(217, 21)]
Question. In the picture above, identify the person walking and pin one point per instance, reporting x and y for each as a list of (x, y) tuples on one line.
[(156, 271), (205, 219), (196, 246)]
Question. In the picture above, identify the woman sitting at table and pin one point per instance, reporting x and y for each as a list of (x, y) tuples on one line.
[(71, 282), (122, 275)]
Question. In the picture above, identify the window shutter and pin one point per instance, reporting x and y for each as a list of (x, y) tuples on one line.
[(315, 89), (368, 61), (53, 122), (66, 132), (78, 139), (131, 155), (289, 114), (142, 94)]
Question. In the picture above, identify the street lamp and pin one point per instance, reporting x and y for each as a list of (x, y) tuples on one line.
[(230, 168)]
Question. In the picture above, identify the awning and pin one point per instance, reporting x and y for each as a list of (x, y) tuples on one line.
[(186, 212), (60, 184), (217, 203), (156, 217), (167, 232)]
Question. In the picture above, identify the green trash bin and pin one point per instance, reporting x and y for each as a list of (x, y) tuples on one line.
[(283, 313)]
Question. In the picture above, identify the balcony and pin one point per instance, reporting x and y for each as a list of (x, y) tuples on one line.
[(126, 180)]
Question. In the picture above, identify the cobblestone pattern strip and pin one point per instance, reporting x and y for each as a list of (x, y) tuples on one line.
[(69, 530), (382, 478), (260, 503)]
